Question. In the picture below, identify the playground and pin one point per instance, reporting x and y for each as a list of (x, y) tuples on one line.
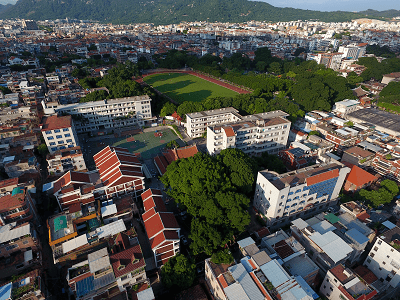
[(148, 144)]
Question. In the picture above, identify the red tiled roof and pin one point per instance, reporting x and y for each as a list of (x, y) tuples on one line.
[(228, 131), (8, 182), (359, 177), (366, 274), (161, 163), (55, 122), (263, 232), (222, 281), (283, 249), (74, 208), (80, 177), (154, 201), (187, 151), (62, 181), (338, 272), (126, 256), (322, 177), (10, 201)]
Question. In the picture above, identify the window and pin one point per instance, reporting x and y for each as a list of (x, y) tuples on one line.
[(384, 263), (54, 149), (67, 135), (8, 248), (388, 256), (52, 144), (324, 286), (50, 138), (25, 242), (335, 280), (279, 211), (379, 242), (60, 142), (65, 129), (372, 254), (331, 288), (368, 260), (69, 141), (59, 136), (376, 248), (57, 130), (48, 132)]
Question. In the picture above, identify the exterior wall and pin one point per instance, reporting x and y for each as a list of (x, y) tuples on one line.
[(131, 279), (197, 126), (330, 287), (21, 244), (212, 282), (59, 139), (109, 114), (382, 260), (276, 204)]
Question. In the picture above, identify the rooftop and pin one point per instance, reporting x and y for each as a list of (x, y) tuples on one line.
[(378, 117), (392, 237), (55, 122)]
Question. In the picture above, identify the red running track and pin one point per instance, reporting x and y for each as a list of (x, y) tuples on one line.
[(216, 81)]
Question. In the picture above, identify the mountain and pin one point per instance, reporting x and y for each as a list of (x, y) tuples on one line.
[(165, 11), (391, 13), (4, 7)]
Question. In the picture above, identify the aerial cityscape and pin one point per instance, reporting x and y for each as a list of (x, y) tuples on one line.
[(205, 150)]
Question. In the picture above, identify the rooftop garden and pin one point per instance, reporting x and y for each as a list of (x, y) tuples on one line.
[(78, 271)]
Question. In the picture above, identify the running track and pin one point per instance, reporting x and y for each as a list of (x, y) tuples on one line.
[(216, 81)]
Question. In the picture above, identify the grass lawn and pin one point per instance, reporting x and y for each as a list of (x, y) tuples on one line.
[(184, 87)]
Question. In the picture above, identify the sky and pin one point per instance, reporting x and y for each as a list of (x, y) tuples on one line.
[(332, 5)]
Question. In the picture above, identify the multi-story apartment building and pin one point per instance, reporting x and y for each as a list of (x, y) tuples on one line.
[(293, 194), (353, 51), (161, 226), (197, 123), (27, 286), (19, 249), (18, 206), (64, 160), (105, 115), (118, 173), (265, 132), (343, 283), (345, 107), (384, 258), (59, 133), (387, 163), (330, 240)]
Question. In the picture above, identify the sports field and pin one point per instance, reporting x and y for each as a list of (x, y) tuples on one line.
[(184, 87), (148, 144)]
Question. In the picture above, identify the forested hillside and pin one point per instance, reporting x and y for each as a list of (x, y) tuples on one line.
[(165, 11)]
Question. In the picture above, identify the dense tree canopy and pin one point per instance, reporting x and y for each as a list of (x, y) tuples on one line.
[(387, 191), (178, 273), (211, 188)]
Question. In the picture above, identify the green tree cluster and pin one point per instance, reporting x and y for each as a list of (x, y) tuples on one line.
[(178, 273), (222, 257), (213, 189), (387, 191), (94, 96)]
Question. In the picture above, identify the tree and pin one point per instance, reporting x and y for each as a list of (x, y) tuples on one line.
[(211, 190), (222, 257), (178, 273), (168, 109), (384, 195), (42, 148)]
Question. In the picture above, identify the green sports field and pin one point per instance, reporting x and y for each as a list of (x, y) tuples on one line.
[(184, 87)]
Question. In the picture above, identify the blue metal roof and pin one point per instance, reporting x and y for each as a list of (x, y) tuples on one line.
[(5, 291), (306, 287), (357, 236), (85, 286)]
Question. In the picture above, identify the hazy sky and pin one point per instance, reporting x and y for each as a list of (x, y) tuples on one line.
[(344, 5)]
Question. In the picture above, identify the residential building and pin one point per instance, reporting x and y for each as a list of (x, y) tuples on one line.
[(59, 133), (120, 173), (19, 249), (345, 107), (330, 240), (387, 163), (197, 123), (293, 255), (390, 77), (358, 179), (353, 51), (343, 138), (167, 157), (118, 208), (357, 156), (127, 260), (161, 226), (254, 134), (342, 283), (384, 258), (18, 206), (105, 115), (28, 286), (296, 193), (64, 160), (26, 165)]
